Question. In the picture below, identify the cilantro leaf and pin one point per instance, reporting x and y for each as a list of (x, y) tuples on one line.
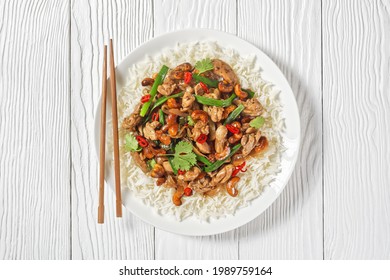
[(204, 65), (257, 122), (131, 143), (190, 121), (184, 158)]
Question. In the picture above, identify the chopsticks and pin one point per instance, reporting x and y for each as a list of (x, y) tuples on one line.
[(103, 136), (102, 139), (115, 133)]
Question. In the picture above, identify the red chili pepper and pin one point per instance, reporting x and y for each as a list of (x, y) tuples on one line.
[(204, 87), (181, 172), (155, 117), (145, 98), (187, 191), (187, 77), (239, 168), (232, 129), (142, 141), (202, 138)]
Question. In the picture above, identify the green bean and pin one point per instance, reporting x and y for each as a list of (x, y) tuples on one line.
[(206, 81), (203, 160), (219, 163), (164, 99), (161, 117), (249, 92), (233, 115), (153, 91), (215, 102)]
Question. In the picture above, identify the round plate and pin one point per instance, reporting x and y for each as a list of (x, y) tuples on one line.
[(290, 136)]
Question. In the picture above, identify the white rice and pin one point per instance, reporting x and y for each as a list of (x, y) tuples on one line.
[(261, 171)]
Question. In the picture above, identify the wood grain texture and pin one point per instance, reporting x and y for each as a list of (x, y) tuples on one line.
[(290, 33), (50, 69), (356, 129), (129, 23), (169, 16), (34, 130)]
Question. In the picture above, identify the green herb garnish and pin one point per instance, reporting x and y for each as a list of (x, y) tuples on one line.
[(183, 158), (204, 65), (131, 144), (190, 121), (257, 122)]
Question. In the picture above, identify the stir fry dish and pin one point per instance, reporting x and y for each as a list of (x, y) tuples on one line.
[(194, 129)]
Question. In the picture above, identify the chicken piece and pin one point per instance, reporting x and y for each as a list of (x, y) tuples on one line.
[(215, 113), (215, 191), (133, 120), (211, 130), (201, 185), (190, 175), (253, 108), (200, 128), (188, 99), (250, 129), (249, 141), (170, 182), (167, 167), (150, 130), (160, 160), (198, 90), (223, 175), (166, 89), (220, 138), (216, 94), (211, 75), (204, 147), (139, 162), (224, 70)]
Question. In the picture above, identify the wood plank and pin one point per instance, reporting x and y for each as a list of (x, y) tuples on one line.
[(129, 23), (172, 15), (34, 130), (290, 33), (356, 135)]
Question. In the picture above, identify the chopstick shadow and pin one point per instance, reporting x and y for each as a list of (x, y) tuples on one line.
[(305, 184)]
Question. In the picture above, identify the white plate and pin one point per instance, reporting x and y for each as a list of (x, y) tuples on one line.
[(291, 135)]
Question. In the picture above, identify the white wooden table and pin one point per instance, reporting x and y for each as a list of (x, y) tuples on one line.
[(334, 53)]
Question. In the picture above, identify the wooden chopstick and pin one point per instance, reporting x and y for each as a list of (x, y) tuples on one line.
[(102, 139), (115, 134)]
